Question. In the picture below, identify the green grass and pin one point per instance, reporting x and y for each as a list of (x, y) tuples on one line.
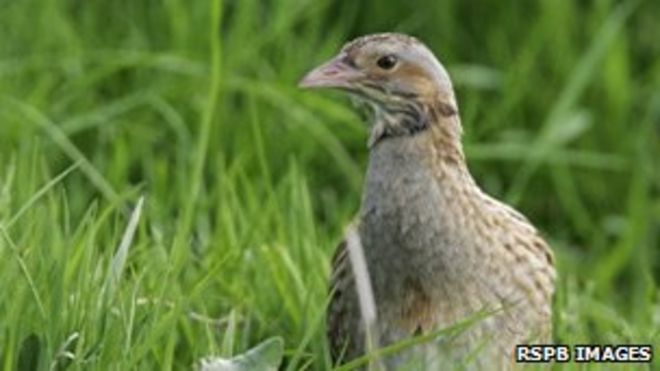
[(248, 183)]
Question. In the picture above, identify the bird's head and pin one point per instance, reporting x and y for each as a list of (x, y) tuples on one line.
[(397, 76)]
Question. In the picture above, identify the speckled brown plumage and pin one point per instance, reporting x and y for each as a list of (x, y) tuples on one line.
[(438, 249)]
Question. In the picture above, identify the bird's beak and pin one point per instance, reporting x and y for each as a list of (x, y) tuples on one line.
[(335, 73)]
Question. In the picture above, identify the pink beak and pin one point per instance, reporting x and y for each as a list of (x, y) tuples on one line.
[(335, 73)]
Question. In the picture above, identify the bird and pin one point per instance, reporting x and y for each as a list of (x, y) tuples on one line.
[(438, 249)]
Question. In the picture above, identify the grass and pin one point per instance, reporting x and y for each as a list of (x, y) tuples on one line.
[(248, 183)]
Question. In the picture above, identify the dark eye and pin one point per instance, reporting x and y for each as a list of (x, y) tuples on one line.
[(387, 62)]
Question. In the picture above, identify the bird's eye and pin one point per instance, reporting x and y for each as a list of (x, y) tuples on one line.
[(387, 62)]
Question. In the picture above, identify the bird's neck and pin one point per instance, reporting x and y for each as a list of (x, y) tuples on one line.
[(434, 136), (444, 140), (435, 121), (394, 121)]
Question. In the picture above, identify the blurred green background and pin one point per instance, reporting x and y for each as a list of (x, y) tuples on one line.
[(249, 182)]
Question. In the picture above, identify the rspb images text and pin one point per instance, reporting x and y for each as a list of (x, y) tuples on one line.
[(560, 353)]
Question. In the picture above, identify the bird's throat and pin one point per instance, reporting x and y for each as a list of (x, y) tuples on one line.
[(407, 118), (391, 124)]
